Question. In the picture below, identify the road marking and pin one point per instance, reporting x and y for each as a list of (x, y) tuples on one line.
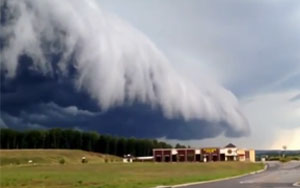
[(244, 182), (297, 184)]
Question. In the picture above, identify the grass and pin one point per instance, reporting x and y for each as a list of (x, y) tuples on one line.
[(284, 159), (117, 175), (50, 156)]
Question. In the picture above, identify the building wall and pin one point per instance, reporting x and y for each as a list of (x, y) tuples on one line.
[(158, 155), (167, 155), (228, 154), (190, 154), (241, 155), (252, 155), (181, 156), (210, 154), (202, 155)]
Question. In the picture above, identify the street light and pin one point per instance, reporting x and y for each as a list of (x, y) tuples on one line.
[(284, 147)]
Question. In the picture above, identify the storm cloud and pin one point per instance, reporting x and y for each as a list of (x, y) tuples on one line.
[(72, 64)]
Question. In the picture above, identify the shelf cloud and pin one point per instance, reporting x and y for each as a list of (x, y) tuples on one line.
[(76, 58)]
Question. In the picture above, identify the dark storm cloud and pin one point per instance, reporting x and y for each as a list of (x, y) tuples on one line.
[(34, 100), (71, 64), (134, 120), (31, 87)]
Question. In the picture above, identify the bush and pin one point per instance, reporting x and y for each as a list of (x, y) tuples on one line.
[(274, 159), (295, 158), (62, 161), (284, 160), (84, 160)]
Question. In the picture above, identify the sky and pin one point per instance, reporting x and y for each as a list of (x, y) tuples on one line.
[(195, 72)]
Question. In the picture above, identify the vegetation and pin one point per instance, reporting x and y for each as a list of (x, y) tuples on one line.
[(180, 146), (14, 157), (62, 161), (117, 175), (73, 139), (278, 155)]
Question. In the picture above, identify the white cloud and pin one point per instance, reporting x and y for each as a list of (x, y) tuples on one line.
[(272, 117), (69, 110), (289, 138), (273, 110), (248, 46), (252, 47), (115, 62), (274, 121)]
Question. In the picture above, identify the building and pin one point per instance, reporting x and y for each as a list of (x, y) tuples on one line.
[(177, 155), (144, 159), (208, 154), (251, 155), (246, 155), (128, 158), (229, 153)]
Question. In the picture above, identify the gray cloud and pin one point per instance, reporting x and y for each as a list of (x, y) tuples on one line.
[(129, 120), (18, 122), (249, 46), (295, 98), (114, 63), (2, 124), (56, 110)]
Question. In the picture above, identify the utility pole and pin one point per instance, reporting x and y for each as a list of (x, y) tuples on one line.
[(284, 147)]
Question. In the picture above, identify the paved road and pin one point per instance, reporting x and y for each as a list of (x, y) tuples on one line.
[(277, 175)]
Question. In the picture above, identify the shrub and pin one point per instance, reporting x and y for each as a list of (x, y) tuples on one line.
[(274, 159), (62, 161), (295, 158), (284, 160)]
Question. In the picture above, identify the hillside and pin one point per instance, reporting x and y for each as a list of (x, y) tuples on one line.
[(51, 156)]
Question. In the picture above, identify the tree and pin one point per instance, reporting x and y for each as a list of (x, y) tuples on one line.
[(8, 139), (74, 139), (121, 147), (113, 145), (131, 147), (179, 146), (35, 139)]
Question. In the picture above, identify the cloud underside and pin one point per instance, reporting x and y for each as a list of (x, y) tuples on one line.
[(31, 101), (137, 121), (71, 64)]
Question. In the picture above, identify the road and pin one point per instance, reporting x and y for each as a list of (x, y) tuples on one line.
[(277, 175)]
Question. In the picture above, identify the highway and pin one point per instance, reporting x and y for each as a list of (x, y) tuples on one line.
[(277, 175)]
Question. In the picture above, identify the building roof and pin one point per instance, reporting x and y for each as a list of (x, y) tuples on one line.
[(230, 145), (145, 158)]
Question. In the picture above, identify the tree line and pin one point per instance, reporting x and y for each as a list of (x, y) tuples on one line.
[(73, 139)]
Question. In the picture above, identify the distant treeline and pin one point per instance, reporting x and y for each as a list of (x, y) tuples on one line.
[(278, 155), (73, 139)]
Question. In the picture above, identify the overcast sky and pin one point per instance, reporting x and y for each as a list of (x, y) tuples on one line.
[(200, 73), (249, 47)]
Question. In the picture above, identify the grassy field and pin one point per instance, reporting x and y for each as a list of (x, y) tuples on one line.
[(51, 156), (116, 174)]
